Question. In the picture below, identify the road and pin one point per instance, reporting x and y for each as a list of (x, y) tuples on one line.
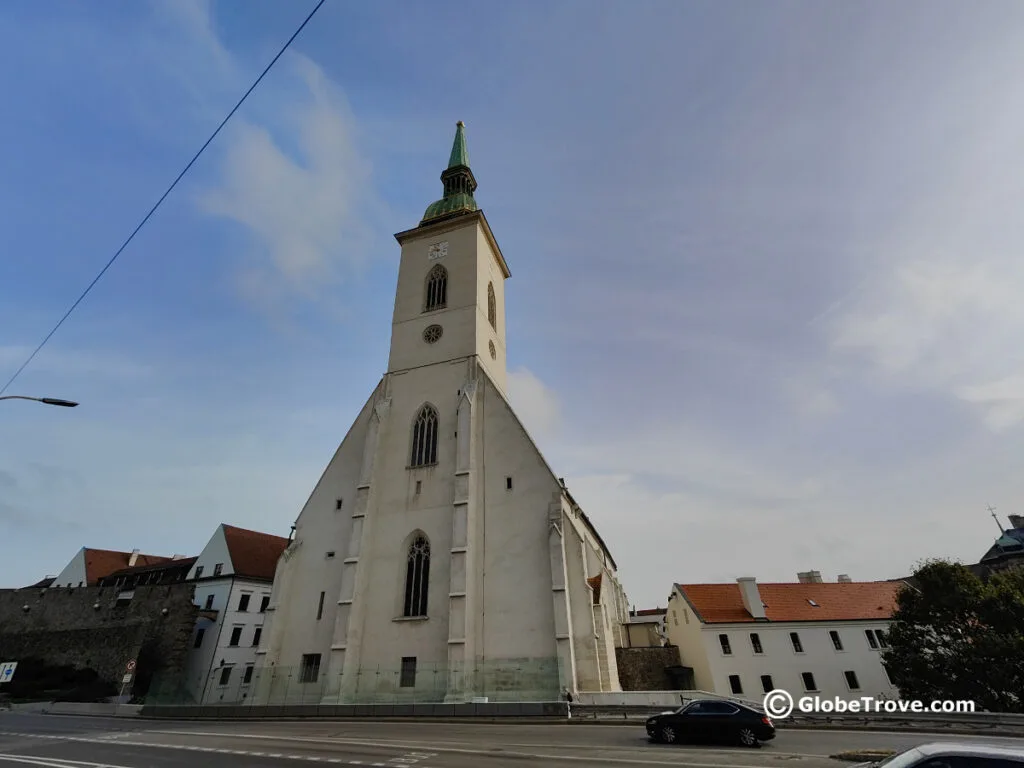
[(55, 741)]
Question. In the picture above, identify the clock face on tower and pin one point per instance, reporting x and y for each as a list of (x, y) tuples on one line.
[(438, 251)]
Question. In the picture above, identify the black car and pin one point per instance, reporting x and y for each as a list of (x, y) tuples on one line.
[(710, 720)]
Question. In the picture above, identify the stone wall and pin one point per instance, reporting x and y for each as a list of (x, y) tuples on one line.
[(646, 669), (89, 628)]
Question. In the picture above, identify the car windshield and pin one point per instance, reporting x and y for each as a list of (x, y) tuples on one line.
[(901, 760)]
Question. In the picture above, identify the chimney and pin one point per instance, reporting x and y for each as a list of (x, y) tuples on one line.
[(134, 558), (809, 577), (844, 579), (751, 597), (1017, 521)]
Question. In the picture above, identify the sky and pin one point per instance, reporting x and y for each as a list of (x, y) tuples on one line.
[(764, 313)]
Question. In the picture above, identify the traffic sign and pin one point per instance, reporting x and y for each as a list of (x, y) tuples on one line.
[(131, 665), (127, 678), (7, 671)]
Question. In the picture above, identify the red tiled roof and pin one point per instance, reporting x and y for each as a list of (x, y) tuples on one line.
[(651, 612), (103, 562), (164, 563), (723, 603), (253, 554)]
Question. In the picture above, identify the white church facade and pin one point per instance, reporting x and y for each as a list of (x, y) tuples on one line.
[(439, 558)]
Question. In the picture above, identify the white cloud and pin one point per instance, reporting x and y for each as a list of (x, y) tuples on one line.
[(537, 406), (307, 214)]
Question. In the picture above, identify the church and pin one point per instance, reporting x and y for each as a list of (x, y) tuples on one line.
[(439, 557)]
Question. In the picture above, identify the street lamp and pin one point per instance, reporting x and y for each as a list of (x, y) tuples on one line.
[(44, 400)]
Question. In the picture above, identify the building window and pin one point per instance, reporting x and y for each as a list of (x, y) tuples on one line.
[(870, 634), (424, 438), (508, 483), (218, 569), (837, 641), (492, 307), (337, 504), (735, 684), (883, 639), (767, 684), (310, 670), (851, 680), (408, 676), (726, 647), (755, 642), (794, 638), (437, 289), (247, 677), (330, 555), (225, 675), (256, 637), (320, 608), (417, 577), (808, 679), (199, 637), (264, 603), (419, 487), (209, 603), (236, 636), (199, 571), (243, 603)]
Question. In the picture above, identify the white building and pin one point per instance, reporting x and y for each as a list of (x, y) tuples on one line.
[(232, 577), (439, 557), (746, 639)]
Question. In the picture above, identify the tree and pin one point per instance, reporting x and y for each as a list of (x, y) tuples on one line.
[(957, 636)]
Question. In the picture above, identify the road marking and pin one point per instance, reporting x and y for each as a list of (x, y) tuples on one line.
[(462, 751), (56, 762)]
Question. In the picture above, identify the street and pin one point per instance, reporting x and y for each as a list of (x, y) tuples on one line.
[(80, 742)]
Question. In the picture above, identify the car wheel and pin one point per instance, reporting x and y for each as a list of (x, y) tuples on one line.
[(668, 735), (748, 738)]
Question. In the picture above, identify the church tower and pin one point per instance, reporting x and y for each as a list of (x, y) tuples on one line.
[(439, 558), (450, 301)]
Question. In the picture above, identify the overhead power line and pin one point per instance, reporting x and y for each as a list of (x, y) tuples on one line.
[(163, 197)]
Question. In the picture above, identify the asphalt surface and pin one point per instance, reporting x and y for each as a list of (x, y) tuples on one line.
[(55, 741)]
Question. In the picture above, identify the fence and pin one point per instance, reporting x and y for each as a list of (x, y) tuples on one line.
[(505, 680)]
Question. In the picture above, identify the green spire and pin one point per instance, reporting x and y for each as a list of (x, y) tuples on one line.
[(458, 180), (460, 155)]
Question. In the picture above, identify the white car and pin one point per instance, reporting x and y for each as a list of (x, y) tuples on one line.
[(953, 755)]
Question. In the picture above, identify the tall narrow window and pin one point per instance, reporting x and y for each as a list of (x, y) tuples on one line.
[(735, 684), (492, 307), (837, 641), (724, 642), (794, 638), (417, 578), (424, 438), (767, 684), (408, 674), (320, 608), (310, 669), (437, 289), (755, 643)]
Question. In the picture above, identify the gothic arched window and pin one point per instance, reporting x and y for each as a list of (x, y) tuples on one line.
[(417, 577), (437, 289), (424, 438), (492, 307)]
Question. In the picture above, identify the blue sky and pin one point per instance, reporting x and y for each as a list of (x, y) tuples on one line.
[(764, 314)]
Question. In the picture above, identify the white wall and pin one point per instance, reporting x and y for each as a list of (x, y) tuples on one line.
[(73, 574), (779, 660), (215, 552)]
